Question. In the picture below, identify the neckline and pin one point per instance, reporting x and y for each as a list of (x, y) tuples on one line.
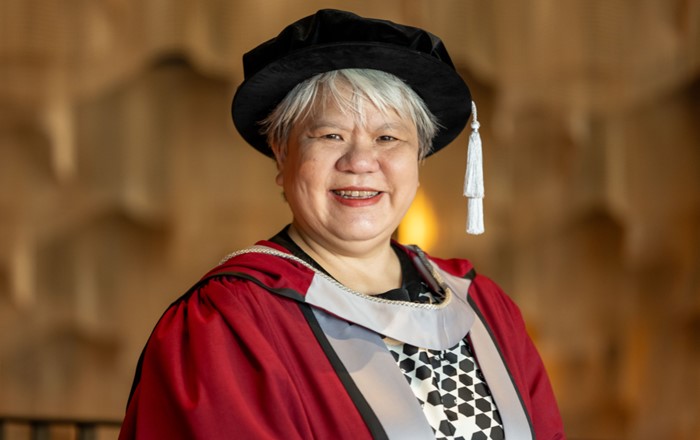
[(412, 284)]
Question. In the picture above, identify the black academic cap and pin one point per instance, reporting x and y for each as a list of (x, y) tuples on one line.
[(332, 40)]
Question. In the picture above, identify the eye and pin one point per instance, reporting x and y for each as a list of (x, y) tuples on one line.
[(332, 136), (386, 138)]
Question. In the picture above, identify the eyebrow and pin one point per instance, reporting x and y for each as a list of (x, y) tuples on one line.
[(329, 124), (394, 125), (325, 124)]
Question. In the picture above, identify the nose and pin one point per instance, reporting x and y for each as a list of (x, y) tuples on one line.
[(359, 157)]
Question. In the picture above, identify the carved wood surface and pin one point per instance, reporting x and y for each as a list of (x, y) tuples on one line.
[(122, 180)]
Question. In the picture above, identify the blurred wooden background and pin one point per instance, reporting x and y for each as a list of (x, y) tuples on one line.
[(122, 180)]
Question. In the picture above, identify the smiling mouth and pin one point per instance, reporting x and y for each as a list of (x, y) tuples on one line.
[(356, 194)]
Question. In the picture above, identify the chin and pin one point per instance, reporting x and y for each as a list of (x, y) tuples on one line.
[(363, 232)]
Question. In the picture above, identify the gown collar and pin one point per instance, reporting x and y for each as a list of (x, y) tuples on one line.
[(433, 326)]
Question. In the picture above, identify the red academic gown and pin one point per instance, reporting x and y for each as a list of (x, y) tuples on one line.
[(264, 347)]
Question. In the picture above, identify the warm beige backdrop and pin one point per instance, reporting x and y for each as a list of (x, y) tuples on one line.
[(122, 180)]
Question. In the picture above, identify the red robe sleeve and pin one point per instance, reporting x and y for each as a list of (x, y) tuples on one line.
[(230, 360)]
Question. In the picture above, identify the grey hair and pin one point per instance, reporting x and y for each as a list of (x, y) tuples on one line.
[(385, 91)]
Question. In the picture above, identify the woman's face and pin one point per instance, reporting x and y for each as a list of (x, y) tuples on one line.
[(349, 185)]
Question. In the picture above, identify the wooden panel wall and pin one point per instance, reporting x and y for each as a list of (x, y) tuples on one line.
[(122, 180)]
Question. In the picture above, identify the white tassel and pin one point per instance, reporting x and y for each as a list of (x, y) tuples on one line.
[(474, 179)]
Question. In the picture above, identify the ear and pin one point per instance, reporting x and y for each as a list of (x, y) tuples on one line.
[(279, 178), (280, 156)]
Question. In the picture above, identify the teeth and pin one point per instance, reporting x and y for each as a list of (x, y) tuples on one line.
[(356, 194)]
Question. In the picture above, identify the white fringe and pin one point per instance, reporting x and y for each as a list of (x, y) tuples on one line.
[(474, 179), (475, 218)]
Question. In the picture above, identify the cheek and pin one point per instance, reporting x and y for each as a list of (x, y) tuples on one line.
[(302, 176), (313, 170), (407, 170), (408, 178)]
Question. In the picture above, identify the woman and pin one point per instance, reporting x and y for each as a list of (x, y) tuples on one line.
[(330, 329)]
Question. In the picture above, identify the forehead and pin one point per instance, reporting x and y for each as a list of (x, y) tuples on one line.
[(347, 104)]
